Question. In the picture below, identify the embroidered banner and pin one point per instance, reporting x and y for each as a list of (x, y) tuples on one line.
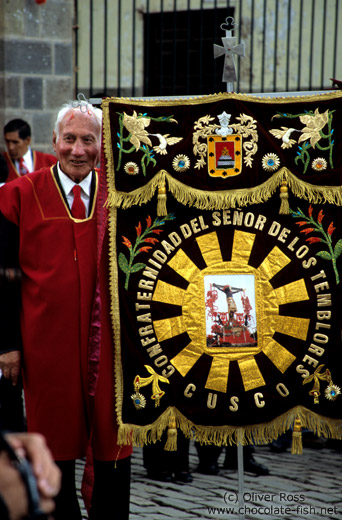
[(225, 264)]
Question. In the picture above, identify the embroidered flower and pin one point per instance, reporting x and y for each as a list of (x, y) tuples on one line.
[(319, 164), (139, 400), (131, 168), (136, 127), (270, 162), (332, 392), (314, 124), (181, 163)]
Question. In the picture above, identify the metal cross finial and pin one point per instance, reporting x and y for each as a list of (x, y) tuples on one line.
[(228, 50), (229, 25)]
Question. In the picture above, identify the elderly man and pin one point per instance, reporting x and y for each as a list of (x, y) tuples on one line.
[(20, 158), (67, 351)]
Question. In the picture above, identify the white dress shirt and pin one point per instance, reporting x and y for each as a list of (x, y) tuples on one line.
[(68, 184), (28, 161)]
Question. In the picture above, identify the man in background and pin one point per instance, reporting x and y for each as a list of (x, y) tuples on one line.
[(20, 158)]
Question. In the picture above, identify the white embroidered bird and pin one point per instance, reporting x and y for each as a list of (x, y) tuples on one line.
[(164, 140), (284, 135)]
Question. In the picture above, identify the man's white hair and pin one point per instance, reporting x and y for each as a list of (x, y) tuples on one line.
[(82, 106)]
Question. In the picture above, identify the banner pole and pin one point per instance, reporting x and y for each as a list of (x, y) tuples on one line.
[(229, 49), (240, 481)]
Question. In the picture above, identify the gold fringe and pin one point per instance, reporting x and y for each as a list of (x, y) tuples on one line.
[(297, 444), (216, 200), (284, 197), (227, 435), (171, 443), (161, 207)]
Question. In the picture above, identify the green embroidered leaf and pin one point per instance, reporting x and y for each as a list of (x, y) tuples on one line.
[(137, 267), (338, 248), (324, 254), (123, 264)]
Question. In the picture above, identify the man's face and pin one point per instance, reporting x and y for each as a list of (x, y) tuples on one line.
[(16, 146), (78, 144)]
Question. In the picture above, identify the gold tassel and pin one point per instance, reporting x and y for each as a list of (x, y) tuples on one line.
[(161, 207), (284, 197), (297, 445), (171, 443)]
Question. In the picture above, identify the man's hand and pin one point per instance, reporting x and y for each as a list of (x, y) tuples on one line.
[(33, 447), (10, 365), (12, 489)]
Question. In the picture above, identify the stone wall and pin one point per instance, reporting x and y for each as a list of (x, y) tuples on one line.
[(36, 64)]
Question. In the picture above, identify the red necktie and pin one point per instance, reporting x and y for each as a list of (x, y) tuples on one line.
[(78, 208), (22, 167)]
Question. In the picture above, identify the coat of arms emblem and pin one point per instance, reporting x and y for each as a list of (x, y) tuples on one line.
[(223, 151)]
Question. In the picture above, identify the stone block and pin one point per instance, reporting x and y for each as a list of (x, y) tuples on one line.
[(11, 17), (33, 93), (32, 24), (2, 55), (30, 57), (55, 19), (42, 128), (57, 92), (63, 59), (12, 92)]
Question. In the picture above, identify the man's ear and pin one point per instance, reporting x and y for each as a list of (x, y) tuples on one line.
[(27, 141), (54, 140)]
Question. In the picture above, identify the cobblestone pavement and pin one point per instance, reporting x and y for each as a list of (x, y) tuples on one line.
[(299, 487)]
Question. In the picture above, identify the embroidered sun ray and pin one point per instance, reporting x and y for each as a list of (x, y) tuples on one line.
[(292, 292), (242, 246), (250, 373), (168, 293), (169, 328), (278, 354), (210, 248), (186, 359)]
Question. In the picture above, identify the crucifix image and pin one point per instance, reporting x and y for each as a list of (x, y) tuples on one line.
[(228, 50)]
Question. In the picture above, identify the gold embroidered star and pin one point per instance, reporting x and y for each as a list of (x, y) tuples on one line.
[(332, 392), (319, 164), (270, 162), (139, 400), (131, 168), (181, 163)]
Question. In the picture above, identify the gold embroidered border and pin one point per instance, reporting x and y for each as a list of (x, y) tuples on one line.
[(113, 275), (213, 98)]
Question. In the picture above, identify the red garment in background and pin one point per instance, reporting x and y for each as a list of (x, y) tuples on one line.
[(40, 160)]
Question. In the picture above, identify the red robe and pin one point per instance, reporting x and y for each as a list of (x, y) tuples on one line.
[(40, 160), (59, 263)]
